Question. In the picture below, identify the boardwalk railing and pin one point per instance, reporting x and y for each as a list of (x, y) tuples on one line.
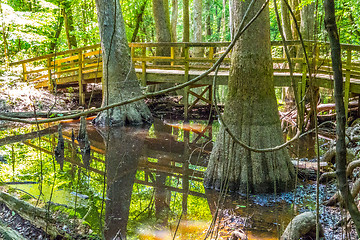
[(78, 67)]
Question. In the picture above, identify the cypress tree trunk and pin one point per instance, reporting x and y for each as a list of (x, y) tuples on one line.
[(251, 114), (119, 77)]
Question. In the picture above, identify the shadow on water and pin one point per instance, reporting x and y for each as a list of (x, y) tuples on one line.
[(152, 177)]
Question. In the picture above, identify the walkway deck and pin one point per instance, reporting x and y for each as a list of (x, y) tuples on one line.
[(79, 67)]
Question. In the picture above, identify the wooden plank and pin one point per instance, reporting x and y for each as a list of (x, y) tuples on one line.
[(50, 84), (80, 77)]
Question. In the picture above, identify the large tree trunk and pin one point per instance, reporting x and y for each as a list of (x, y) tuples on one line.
[(197, 27), (251, 114), (119, 77), (162, 25)]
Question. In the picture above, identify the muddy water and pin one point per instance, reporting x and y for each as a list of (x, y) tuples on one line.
[(139, 183)]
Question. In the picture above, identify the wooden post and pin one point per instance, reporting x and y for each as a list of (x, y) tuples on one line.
[(50, 84), (186, 78), (24, 72), (143, 77), (347, 82), (80, 79), (172, 55), (211, 53), (132, 52)]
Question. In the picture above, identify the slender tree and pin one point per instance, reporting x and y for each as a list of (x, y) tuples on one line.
[(186, 24), (331, 27), (162, 25), (4, 35), (119, 77), (251, 114), (174, 18), (197, 26), (69, 24)]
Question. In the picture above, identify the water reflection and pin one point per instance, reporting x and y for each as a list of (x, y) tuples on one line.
[(151, 177), (123, 149)]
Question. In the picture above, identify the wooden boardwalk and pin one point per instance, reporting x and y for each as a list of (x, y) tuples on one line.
[(79, 67)]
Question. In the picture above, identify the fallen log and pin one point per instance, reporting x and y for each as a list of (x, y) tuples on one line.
[(331, 106), (307, 170), (38, 114), (300, 226), (37, 216)]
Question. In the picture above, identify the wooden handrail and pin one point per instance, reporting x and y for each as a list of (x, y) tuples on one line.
[(77, 66), (174, 44)]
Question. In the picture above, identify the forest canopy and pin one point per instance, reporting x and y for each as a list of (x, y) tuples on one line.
[(34, 28)]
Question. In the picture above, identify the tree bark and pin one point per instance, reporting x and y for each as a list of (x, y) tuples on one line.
[(57, 33), (208, 20), (186, 24), (162, 25), (69, 24), (197, 27), (4, 35), (138, 21), (330, 25), (119, 78), (285, 20), (302, 225), (251, 114), (174, 18)]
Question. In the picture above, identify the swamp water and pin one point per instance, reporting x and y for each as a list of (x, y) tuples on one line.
[(139, 183)]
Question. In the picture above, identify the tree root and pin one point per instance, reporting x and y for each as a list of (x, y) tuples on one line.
[(235, 235), (337, 196), (350, 168), (301, 225)]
